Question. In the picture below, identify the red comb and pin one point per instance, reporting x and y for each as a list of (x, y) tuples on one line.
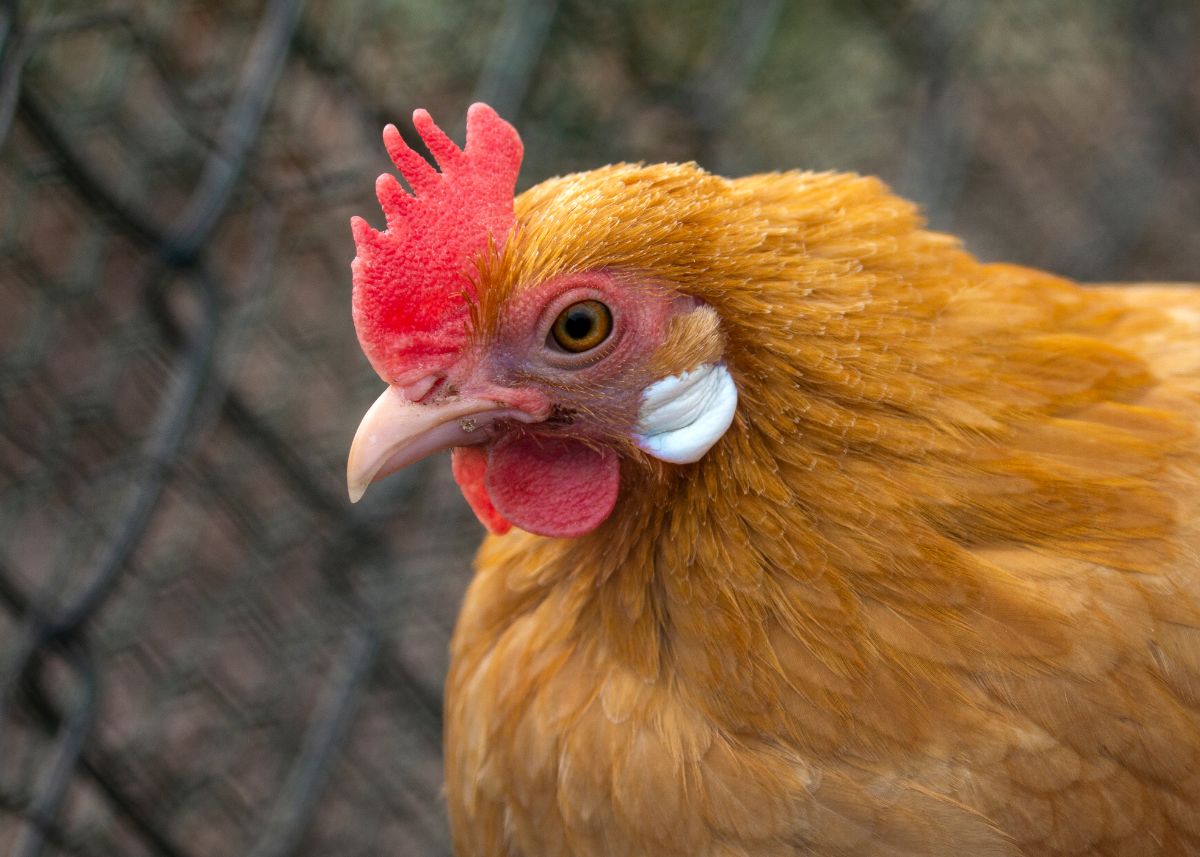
[(409, 280)]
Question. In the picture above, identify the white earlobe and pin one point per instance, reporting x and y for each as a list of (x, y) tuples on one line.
[(682, 416)]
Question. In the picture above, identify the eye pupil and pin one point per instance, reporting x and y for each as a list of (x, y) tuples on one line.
[(579, 323), (582, 326)]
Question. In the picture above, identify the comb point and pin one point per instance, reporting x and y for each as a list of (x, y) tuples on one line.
[(444, 151), (362, 231)]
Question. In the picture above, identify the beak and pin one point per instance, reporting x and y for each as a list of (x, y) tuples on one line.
[(396, 432)]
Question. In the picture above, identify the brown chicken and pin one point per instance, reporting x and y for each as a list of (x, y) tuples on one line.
[(829, 539)]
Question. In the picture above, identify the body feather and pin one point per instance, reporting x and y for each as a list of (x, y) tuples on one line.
[(936, 592)]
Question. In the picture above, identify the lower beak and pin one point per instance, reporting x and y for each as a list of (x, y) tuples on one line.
[(396, 432)]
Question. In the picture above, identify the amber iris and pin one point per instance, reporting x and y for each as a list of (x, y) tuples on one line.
[(582, 326)]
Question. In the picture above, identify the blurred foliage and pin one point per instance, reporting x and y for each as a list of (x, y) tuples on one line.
[(203, 648)]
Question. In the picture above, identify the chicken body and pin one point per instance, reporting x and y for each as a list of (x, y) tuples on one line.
[(813, 535), (936, 592)]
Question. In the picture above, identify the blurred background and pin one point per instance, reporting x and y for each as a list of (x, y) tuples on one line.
[(204, 649)]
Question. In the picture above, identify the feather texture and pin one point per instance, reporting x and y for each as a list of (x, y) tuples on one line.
[(934, 593)]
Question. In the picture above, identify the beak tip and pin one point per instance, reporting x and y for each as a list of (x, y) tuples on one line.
[(356, 492)]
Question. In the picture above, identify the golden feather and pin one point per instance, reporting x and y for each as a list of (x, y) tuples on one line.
[(935, 593)]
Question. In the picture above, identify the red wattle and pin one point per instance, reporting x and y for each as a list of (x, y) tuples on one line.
[(556, 487), (469, 464)]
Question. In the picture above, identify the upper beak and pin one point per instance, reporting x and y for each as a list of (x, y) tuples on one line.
[(396, 432)]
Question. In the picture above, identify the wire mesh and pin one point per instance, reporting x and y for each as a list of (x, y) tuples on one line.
[(204, 649)]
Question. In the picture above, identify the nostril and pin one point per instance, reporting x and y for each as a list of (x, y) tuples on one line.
[(422, 388)]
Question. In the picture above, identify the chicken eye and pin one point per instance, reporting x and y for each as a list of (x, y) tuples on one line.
[(582, 326)]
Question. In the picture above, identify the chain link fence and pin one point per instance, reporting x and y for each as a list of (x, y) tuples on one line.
[(204, 649)]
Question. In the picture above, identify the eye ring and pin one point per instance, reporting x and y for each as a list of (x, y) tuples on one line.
[(582, 326)]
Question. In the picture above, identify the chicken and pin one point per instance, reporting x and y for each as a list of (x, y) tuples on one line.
[(811, 534)]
